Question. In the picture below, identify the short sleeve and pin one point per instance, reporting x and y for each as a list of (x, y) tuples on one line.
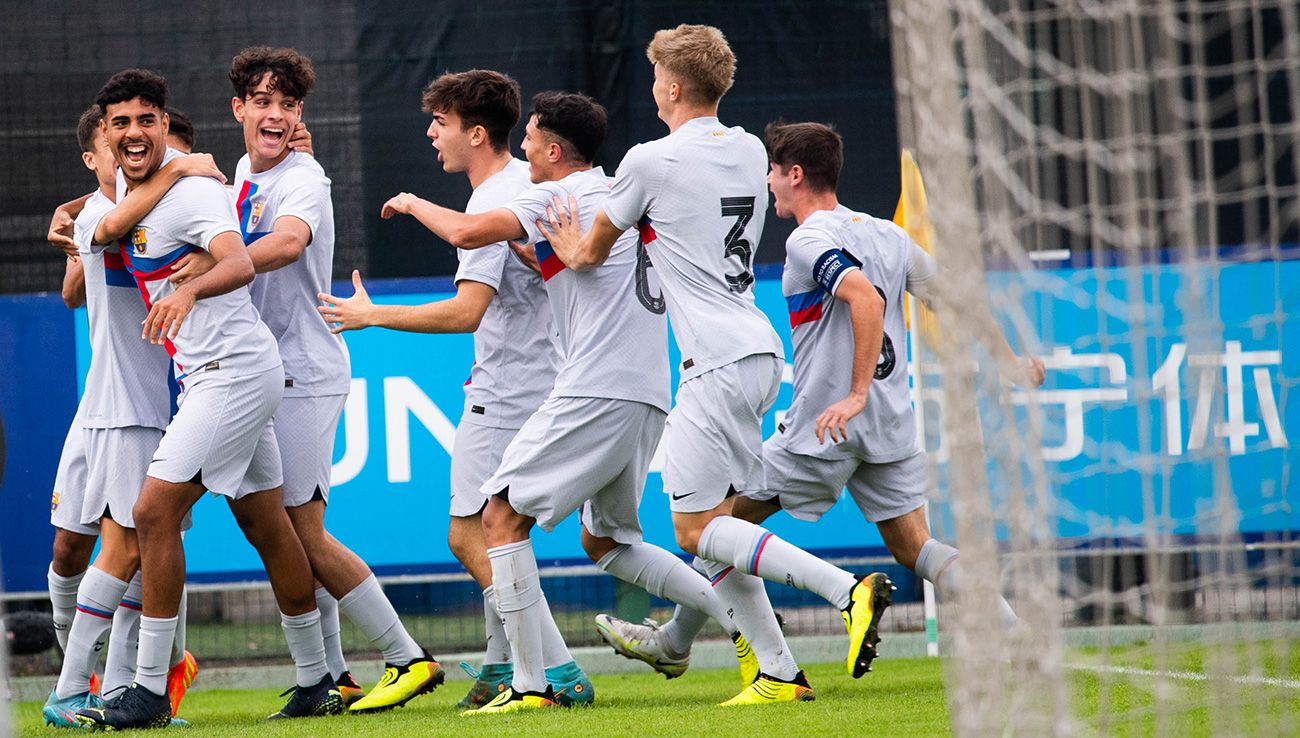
[(208, 211), (633, 187), (305, 195), (83, 229), (816, 258), (530, 205), (485, 265)]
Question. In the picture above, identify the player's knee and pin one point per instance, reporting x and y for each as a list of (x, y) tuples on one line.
[(597, 547), (71, 553), (688, 538)]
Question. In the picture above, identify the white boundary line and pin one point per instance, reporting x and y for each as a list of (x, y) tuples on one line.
[(1191, 676)]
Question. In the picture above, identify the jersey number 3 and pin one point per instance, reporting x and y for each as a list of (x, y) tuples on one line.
[(735, 244)]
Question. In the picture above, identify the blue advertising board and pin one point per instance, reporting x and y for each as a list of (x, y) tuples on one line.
[(1187, 409)]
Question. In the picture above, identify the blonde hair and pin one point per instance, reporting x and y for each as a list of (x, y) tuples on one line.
[(699, 56)]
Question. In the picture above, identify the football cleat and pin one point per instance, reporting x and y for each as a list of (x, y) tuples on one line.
[(748, 661), (490, 681), (867, 602), (571, 686), (641, 643), (349, 689), (134, 707), (321, 698), (512, 701), (179, 679), (62, 713), (401, 684), (768, 690)]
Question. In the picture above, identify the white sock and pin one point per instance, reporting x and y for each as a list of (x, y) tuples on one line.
[(156, 636), (97, 599), (330, 631), (678, 634), (752, 610), (940, 562), (498, 647), (753, 550), (178, 642), (63, 603), (306, 646), (555, 652), (519, 598), (124, 641), (369, 609), (663, 575)]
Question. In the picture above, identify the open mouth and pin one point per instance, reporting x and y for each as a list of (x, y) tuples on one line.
[(271, 135), (134, 154)]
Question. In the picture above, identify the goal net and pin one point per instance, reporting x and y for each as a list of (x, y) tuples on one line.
[(1116, 181)]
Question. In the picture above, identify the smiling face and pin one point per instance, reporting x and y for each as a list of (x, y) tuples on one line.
[(102, 162), (537, 150), (453, 143), (268, 117), (136, 131)]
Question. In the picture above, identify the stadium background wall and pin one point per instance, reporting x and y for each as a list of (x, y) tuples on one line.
[(826, 61)]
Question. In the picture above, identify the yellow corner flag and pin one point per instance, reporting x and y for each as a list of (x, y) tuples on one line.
[(911, 215)]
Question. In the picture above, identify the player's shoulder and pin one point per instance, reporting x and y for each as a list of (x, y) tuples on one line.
[(94, 209), (818, 229), (303, 169)]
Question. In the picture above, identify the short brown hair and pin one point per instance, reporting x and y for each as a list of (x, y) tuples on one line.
[(88, 127), (577, 120), (700, 56), (816, 147), (291, 72), (480, 97)]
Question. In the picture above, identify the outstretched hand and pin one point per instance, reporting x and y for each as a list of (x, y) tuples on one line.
[(60, 233), (399, 204), (347, 313), (561, 227)]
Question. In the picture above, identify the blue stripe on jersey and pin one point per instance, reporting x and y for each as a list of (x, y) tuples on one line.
[(804, 300), (141, 265), (249, 238), (119, 278), (241, 207)]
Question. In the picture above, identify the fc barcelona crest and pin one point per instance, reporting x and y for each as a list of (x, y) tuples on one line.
[(255, 215), (138, 240)]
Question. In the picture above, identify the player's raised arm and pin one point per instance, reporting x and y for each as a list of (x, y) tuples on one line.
[(65, 215), (867, 316), (579, 251), (233, 270), (139, 201), (462, 230), (459, 314)]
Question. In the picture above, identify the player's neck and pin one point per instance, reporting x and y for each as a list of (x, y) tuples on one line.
[(563, 170), (682, 115), (109, 190), (482, 167), (257, 165), (813, 202)]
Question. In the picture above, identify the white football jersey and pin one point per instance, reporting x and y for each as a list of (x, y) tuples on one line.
[(610, 325), (127, 381), (514, 354), (224, 331), (698, 197), (828, 245), (315, 361)]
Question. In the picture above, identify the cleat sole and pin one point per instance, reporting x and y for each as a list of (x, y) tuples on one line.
[(881, 599)]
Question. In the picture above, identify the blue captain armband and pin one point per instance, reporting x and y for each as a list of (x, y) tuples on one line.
[(831, 267)]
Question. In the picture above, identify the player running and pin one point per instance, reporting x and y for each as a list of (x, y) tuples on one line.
[(698, 197), (231, 376), (504, 304), (851, 422)]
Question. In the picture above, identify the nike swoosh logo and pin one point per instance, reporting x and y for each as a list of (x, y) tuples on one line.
[(676, 496)]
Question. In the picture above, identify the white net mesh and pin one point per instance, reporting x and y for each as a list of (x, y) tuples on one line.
[(1118, 182)]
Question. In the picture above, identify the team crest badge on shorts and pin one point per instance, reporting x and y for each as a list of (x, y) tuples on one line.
[(255, 216), (139, 241), (54, 501)]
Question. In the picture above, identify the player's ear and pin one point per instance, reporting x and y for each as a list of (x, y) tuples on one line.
[(88, 159), (237, 108), (796, 175), (477, 135), (166, 123)]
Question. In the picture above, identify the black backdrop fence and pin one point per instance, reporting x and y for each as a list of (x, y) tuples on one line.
[(825, 61)]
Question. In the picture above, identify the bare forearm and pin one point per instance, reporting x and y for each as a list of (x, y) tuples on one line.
[(136, 205), (74, 284), (74, 207), (273, 251), (435, 317), (227, 276), (456, 228), (868, 337)]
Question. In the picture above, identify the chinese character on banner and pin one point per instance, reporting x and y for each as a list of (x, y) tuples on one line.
[(1231, 365), (1074, 400)]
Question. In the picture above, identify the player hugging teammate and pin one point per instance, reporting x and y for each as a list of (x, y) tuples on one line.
[(567, 278)]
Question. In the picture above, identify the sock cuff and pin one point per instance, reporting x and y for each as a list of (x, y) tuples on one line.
[(509, 548), (305, 620), (934, 558), (358, 592), (65, 585), (150, 623), (608, 559)]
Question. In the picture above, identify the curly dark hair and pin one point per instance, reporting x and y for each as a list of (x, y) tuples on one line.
[(129, 84), (291, 72), (480, 97), (578, 120)]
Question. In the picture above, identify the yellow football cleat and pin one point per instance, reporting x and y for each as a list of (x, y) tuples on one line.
[(748, 661), (401, 684), (767, 690), (512, 701), (867, 603), (179, 679)]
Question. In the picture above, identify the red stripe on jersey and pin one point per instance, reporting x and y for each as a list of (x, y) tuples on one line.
[(807, 315)]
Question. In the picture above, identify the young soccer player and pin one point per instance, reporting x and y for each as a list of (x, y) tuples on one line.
[(504, 304), (286, 220), (851, 422), (589, 445), (229, 369), (119, 422), (698, 196)]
